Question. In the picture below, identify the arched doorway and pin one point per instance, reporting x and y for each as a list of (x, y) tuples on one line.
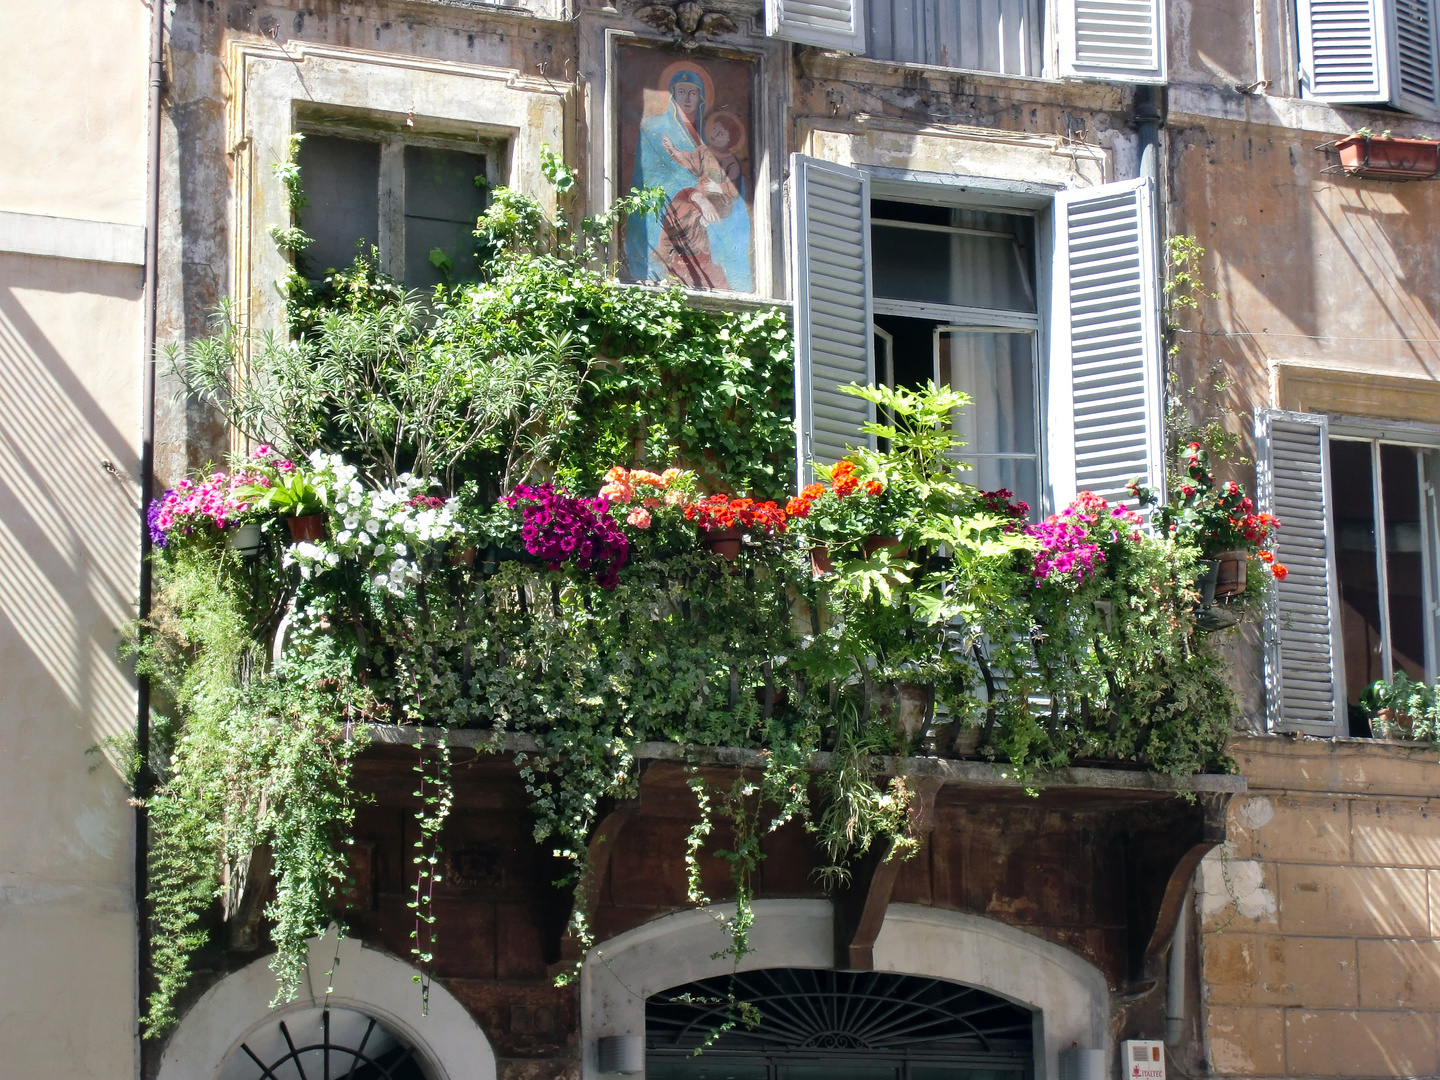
[(807, 1024), (1066, 997), (360, 1003)]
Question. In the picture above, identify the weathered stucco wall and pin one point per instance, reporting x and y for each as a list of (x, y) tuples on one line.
[(73, 78), (1320, 917)]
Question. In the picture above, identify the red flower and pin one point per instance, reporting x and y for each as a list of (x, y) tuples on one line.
[(845, 485), (1279, 571), (873, 487), (812, 492), (798, 507)]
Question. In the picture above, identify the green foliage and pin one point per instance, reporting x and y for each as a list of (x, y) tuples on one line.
[(260, 761), (1402, 708)]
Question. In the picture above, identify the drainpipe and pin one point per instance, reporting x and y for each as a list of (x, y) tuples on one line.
[(1175, 976), (1149, 116), (144, 779)]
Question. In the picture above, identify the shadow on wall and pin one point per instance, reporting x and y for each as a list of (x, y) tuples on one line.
[(69, 531)]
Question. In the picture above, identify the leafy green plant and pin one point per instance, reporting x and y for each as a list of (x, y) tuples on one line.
[(1403, 708)]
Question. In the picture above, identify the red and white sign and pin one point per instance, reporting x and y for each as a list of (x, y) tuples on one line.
[(1144, 1059)]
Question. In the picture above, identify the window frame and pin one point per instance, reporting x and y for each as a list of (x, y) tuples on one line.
[(393, 138), (1003, 196), (1377, 433)]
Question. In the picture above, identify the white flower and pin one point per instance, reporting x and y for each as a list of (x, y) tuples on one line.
[(372, 526), (352, 522), (332, 558), (365, 539), (379, 549), (400, 549), (344, 537)]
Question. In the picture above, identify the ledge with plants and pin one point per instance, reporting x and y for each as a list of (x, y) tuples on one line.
[(551, 506)]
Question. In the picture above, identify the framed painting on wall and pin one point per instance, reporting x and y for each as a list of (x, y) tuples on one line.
[(685, 124)]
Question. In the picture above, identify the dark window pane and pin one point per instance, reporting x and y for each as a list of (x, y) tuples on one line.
[(1405, 572), (442, 201), (1354, 494), (981, 260), (341, 179)]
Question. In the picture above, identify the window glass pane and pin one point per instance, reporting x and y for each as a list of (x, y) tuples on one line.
[(978, 35), (1405, 572), (961, 1072), (975, 258), (442, 202), (1352, 483), (341, 180), (999, 426)]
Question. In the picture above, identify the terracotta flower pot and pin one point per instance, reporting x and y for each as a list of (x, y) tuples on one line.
[(723, 542), (1388, 158), (465, 557), (1230, 579), (875, 543), (310, 527), (820, 561)]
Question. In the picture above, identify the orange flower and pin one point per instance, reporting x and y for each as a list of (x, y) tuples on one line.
[(873, 487), (812, 491), (798, 507), (1267, 556), (1280, 572), (670, 475), (845, 485), (645, 476)]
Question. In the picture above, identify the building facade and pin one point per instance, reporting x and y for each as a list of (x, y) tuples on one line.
[(978, 192)]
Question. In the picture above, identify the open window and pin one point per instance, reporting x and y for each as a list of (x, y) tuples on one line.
[(1114, 40), (414, 200), (1045, 316), (1371, 52)]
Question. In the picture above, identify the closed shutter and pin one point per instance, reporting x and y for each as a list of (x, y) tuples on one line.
[(827, 24), (1119, 40), (1343, 50), (1304, 680), (1105, 381), (1416, 79), (833, 344)]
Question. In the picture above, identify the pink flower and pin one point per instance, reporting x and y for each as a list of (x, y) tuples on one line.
[(639, 517), (261, 451)]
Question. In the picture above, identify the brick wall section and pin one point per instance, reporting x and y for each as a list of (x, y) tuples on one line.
[(1320, 918)]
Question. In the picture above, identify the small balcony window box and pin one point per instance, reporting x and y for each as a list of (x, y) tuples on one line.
[(1383, 157)]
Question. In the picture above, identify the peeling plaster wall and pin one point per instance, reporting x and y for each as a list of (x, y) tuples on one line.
[(73, 79)]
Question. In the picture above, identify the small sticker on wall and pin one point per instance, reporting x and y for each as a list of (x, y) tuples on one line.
[(1144, 1059)]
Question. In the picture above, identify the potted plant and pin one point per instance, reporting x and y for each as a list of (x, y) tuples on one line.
[(1220, 521), (292, 494), (1386, 157), (723, 522)]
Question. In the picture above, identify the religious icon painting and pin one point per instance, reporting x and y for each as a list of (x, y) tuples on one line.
[(685, 124)]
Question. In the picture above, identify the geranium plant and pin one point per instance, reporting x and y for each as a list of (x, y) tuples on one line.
[(560, 528)]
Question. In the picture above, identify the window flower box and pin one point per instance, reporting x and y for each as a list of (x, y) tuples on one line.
[(1378, 157)]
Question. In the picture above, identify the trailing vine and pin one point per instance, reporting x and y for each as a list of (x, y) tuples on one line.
[(423, 602)]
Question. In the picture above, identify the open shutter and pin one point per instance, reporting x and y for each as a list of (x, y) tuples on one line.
[(827, 24), (1104, 426), (1343, 50), (1119, 40), (833, 344), (1415, 80), (1304, 679)]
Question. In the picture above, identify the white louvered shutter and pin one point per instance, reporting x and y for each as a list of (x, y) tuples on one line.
[(827, 24), (833, 344), (1304, 682), (1415, 70), (1118, 40), (1104, 427), (1343, 50)]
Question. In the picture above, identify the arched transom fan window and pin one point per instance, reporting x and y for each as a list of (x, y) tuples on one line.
[(802, 1024), (323, 1044)]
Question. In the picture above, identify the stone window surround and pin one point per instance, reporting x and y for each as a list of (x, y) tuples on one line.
[(1069, 996), (367, 981), (274, 83)]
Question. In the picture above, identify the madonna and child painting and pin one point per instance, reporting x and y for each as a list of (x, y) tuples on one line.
[(685, 127)]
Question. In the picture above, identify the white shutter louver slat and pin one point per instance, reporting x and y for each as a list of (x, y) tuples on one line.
[(1416, 79), (1104, 428), (826, 24), (830, 234), (1121, 40), (1342, 50), (1303, 679)]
